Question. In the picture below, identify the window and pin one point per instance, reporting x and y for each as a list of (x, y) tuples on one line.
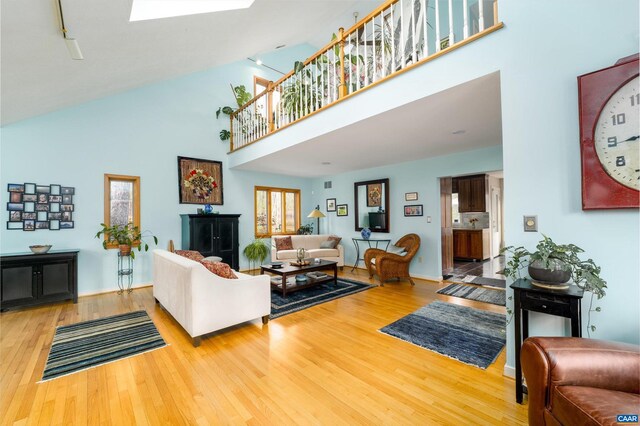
[(260, 85), (121, 200), (277, 211)]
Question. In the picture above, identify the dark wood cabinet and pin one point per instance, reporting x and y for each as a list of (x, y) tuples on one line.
[(28, 279), (212, 235), (471, 244), (471, 193)]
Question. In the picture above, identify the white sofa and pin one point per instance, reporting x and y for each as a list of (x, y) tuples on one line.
[(311, 243), (203, 302)]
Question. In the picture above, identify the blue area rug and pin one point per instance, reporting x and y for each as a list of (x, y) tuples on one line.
[(312, 296), (88, 344), (468, 335), (495, 297)]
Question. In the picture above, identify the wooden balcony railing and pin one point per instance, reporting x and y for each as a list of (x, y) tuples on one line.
[(397, 36)]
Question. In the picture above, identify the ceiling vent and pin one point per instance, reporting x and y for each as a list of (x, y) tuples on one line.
[(327, 185)]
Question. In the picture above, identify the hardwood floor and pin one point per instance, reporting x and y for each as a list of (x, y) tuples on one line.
[(487, 269), (324, 365)]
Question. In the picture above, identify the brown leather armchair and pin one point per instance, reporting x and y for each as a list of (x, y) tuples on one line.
[(576, 381), (388, 265)]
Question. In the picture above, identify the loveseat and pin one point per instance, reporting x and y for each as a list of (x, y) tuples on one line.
[(311, 243), (576, 381), (203, 302)]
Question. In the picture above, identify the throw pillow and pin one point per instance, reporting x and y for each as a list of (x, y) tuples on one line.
[(329, 244), (220, 269), (336, 239), (284, 243), (396, 250), (190, 254)]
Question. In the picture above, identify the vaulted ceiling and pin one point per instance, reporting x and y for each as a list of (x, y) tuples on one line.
[(38, 76)]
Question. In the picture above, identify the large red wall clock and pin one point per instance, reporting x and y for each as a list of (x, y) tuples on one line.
[(609, 101)]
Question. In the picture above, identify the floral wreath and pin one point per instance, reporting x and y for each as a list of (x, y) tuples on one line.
[(201, 183)]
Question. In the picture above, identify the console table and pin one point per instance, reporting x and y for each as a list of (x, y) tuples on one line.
[(28, 279), (357, 241), (528, 297)]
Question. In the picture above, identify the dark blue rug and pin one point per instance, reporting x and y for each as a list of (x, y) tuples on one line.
[(303, 299), (495, 297), (80, 346), (468, 335)]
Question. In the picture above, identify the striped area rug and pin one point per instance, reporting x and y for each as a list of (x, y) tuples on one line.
[(88, 344), (495, 297)]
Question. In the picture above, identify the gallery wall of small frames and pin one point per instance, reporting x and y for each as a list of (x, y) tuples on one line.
[(32, 206)]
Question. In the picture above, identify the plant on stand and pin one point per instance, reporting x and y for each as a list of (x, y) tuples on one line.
[(256, 252), (125, 236), (553, 263)]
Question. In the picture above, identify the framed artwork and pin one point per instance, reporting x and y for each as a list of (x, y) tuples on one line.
[(32, 207), (199, 181), (413, 210), (374, 195), (342, 210), (411, 196), (331, 204)]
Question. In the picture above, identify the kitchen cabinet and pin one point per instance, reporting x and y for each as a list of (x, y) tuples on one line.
[(471, 193), (212, 235), (471, 244), (28, 279)]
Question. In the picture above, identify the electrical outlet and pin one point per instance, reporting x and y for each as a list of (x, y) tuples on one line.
[(530, 223)]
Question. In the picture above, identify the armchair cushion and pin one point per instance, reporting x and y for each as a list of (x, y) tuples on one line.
[(396, 250)]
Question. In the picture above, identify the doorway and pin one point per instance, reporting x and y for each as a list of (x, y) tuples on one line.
[(472, 225)]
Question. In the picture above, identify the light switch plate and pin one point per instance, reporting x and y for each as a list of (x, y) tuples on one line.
[(530, 223)]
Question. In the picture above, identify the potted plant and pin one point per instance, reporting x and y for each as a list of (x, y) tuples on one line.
[(242, 97), (256, 252), (305, 229), (125, 236)]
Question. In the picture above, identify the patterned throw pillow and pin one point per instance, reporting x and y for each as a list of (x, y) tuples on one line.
[(336, 239), (220, 269), (284, 243), (190, 254)]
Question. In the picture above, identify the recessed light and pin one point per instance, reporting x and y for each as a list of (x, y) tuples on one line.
[(258, 62), (325, 163), (459, 132)]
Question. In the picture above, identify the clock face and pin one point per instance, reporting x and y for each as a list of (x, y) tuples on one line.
[(617, 136)]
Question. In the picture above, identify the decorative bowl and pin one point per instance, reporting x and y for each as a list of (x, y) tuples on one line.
[(40, 249)]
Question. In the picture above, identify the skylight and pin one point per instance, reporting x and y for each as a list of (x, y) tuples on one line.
[(142, 10)]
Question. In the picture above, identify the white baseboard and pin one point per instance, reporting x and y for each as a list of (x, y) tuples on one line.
[(425, 277), (509, 371), (94, 293)]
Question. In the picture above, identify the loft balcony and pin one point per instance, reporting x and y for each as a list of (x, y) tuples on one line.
[(398, 36)]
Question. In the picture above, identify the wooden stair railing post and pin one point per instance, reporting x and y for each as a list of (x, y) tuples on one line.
[(270, 117), (231, 131), (342, 91), (495, 12)]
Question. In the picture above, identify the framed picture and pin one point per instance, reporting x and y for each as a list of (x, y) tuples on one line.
[(42, 207), (374, 195), (42, 225), (199, 181), (55, 198), (411, 196), (55, 189), (15, 216), (66, 216), (55, 216), (67, 207), (15, 197), (413, 210), (42, 189), (15, 187), (68, 190), (67, 199), (342, 210), (29, 197), (15, 206), (66, 225), (43, 198), (331, 204), (29, 215), (29, 225)]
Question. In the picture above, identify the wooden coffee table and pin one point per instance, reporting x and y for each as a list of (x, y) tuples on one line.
[(289, 270)]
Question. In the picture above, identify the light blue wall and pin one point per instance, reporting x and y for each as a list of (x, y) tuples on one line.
[(421, 176), (140, 132)]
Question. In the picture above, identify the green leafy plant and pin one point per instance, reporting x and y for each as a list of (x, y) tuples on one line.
[(305, 229), (584, 273), (256, 252), (125, 235), (242, 97)]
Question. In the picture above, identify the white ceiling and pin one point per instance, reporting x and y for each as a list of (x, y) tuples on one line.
[(420, 129), (38, 76)]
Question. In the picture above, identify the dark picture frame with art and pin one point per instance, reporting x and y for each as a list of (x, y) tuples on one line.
[(342, 210), (374, 195), (200, 181), (413, 210), (37, 207), (331, 204)]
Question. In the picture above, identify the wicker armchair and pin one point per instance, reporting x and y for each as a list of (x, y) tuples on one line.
[(388, 265)]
